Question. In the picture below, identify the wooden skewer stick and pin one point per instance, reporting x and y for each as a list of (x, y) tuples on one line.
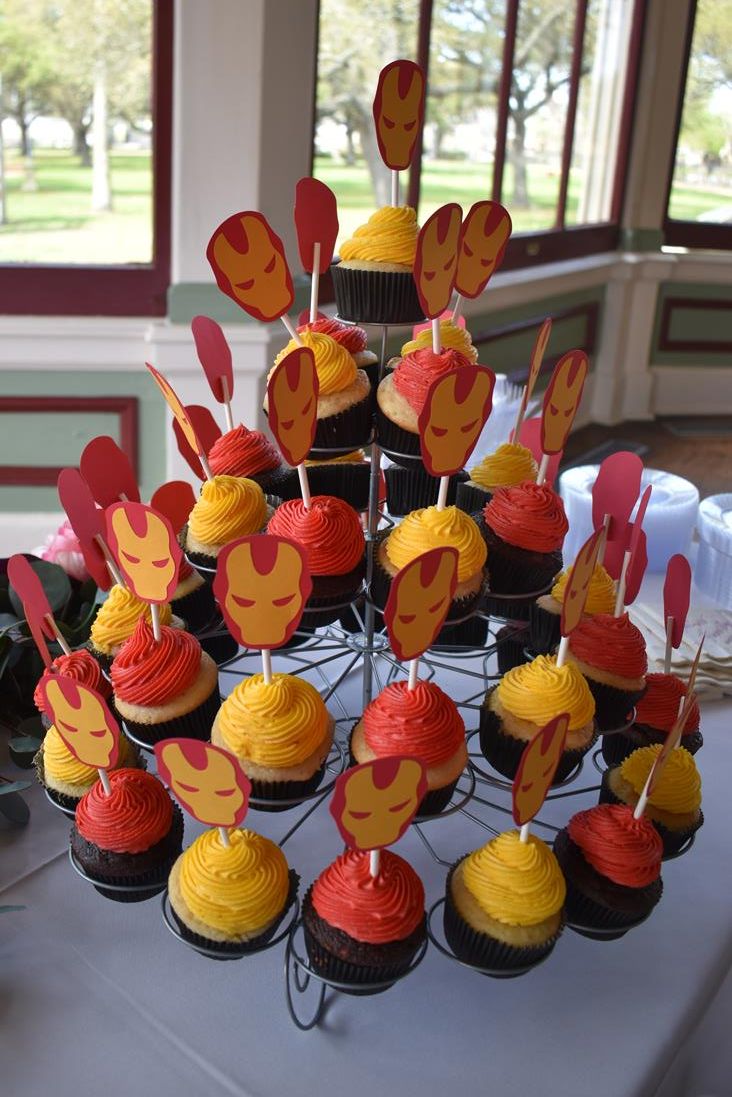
[(315, 282), (227, 404)]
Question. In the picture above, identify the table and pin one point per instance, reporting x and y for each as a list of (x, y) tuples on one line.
[(99, 997)]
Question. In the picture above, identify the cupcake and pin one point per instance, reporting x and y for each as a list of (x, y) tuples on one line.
[(546, 612), (281, 733), (524, 701), (657, 712), (503, 904), (452, 337), (611, 654), (117, 619), (346, 476), (401, 396), (344, 394), (511, 464), (192, 599), (66, 779), (512, 640), (249, 454), (374, 280), (331, 534), (674, 806), (524, 527), (165, 687), (83, 668), (421, 531), (612, 865), (130, 837), (360, 929), (410, 489), (353, 338), (231, 898), (228, 507), (423, 722)]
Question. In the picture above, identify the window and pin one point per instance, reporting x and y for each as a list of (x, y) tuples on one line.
[(699, 210), (85, 121), (529, 102)]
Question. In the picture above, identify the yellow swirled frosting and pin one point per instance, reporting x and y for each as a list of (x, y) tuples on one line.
[(228, 507), (355, 457), (679, 786), (389, 236), (278, 725), (452, 337), (517, 883), (238, 889), (118, 616), (540, 690), (59, 763), (430, 528), (600, 596), (334, 366), (509, 465)]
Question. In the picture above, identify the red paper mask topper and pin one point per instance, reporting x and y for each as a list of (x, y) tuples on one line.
[(483, 239), (536, 769), (374, 803), (561, 400), (262, 584), (207, 780), (249, 264), (83, 720), (636, 568), (454, 413), (419, 600), (175, 500), (36, 608), (214, 354), (577, 589), (398, 112), (207, 432), (179, 412), (436, 259), (108, 472), (530, 436), (292, 404), (674, 736), (145, 546), (316, 222), (87, 522), (677, 595), (615, 492)]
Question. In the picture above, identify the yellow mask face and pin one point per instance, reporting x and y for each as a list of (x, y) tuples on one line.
[(419, 601), (146, 550), (292, 404), (436, 258), (374, 803), (483, 240), (537, 768), (561, 400), (249, 264), (398, 112), (453, 416), (207, 780), (83, 721), (262, 584)]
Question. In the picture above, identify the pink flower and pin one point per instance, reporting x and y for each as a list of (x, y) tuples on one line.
[(63, 548)]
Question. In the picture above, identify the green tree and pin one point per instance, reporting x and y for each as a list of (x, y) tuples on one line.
[(25, 69)]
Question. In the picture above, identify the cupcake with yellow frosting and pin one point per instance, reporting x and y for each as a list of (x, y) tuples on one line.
[(452, 337), (281, 733), (228, 507), (524, 701), (230, 899), (65, 778), (374, 279), (344, 394), (117, 619), (504, 904), (353, 338), (509, 465), (545, 613), (674, 806)]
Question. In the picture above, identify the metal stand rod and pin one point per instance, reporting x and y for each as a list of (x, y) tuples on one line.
[(372, 525)]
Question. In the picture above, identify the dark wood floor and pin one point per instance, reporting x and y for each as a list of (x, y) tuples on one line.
[(704, 458)]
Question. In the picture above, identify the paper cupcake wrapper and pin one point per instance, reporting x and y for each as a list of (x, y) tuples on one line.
[(544, 629), (195, 724), (616, 747), (482, 950), (413, 488), (272, 793), (373, 372), (282, 482), (472, 633), (648, 736), (471, 498), (105, 661), (513, 570), (157, 877), (613, 707), (673, 840), (197, 609), (346, 480), (511, 643), (344, 432), (402, 446), (375, 296)]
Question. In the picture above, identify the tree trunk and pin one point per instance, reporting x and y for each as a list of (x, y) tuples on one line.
[(25, 145), (81, 145), (29, 183), (350, 147), (378, 171), (439, 137), (517, 156), (101, 189)]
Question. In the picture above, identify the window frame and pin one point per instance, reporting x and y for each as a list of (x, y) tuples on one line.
[(107, 289)]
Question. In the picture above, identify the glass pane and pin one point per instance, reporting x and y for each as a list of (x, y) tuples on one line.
[(460, 121), (702, 181), (356, 41), (75, 132), (599, 110)]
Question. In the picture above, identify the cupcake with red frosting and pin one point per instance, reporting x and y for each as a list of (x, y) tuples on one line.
[(129, 837), (612, 865), (611, 654), (655, 715), (165, 687), (423, 722), (65, 778), (546, 612), (82, 667), (248, 453), (331, 534), (360, 929)]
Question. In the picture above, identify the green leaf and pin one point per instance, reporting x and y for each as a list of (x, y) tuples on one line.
[(55, 583), (14, 786), (7, 909)]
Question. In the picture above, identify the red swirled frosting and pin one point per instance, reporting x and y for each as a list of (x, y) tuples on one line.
[(354, 339), (330, 532), (422, 721), (419, 370), (79, 665), (152, 672), (387, 908), (136, 815), (627, 851), (659, 708), (529, 516), (242, 452), (610, 643)]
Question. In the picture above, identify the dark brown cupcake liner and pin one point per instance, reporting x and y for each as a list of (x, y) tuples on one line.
[(511, 641), (544, 629), (157, 877), (413, 488), (648, 736), (513, 570), (268, 795), (673, 840), (480, 949), (282, 482), (195, 724), (617, 746), (344, 432), (105, 661), (471, 498), (613, 707), (402, 446), (347, 480), (375, 296), (197, 609), (472, 633), (373, 372)]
